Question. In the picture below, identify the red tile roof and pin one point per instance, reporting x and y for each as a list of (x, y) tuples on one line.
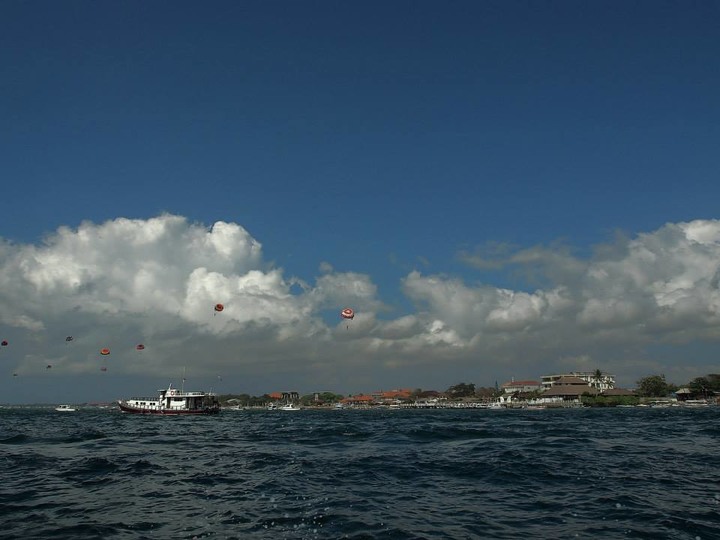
[(357, 399), (389, 394)]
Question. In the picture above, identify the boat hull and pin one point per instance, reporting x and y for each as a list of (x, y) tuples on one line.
[(124, 407)]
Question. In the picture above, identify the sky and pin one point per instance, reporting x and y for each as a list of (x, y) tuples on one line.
[(499, 189)]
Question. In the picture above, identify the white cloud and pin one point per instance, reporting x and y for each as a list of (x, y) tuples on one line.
[(156, 281), (660, 287)]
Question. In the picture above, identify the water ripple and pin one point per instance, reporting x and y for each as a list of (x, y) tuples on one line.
[(362, 474)]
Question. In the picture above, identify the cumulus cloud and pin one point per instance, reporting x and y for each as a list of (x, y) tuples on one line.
[(658, 288), (156, 281)]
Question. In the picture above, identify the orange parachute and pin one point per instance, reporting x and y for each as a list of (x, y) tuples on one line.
[(219, 307), (140, 347), (104, 352)]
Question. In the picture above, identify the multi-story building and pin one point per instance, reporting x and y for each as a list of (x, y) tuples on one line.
[(600, 381), (519, 386)]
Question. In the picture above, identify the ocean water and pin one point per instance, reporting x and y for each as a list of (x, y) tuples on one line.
[(390, 474)]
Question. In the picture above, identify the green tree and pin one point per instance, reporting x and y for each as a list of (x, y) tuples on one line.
[(654, 386), (612, 401), (324, 398), (461, 390), (487, 392), (705, 386)]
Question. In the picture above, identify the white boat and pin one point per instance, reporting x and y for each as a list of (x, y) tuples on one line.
[(65, 408), (171, 401), (290, 407), (696, 403), (236, 408)]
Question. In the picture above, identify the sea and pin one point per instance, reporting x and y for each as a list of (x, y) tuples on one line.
[(361, 474)]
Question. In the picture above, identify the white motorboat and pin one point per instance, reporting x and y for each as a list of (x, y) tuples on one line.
[(65, 408), (290, 407)]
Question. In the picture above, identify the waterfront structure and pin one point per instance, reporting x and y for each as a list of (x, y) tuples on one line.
[(598, 380), (569, 387), (284, 397), (360, 400), (520, 386), (392, 396)]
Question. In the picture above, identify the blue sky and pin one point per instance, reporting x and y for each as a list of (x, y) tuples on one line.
[(371, 151)]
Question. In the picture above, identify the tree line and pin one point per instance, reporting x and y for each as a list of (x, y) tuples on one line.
[(456, 391), (700, 387), (650, 386)]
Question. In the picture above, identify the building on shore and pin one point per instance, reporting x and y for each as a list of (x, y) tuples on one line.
[(569, 387), (392, 396), (598, 380), (519, 386), (360, 400)]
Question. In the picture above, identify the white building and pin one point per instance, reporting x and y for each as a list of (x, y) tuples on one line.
[(520, 386), (603, 382)]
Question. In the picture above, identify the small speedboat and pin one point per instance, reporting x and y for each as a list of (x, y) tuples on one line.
[(290, 407), (65, 408)]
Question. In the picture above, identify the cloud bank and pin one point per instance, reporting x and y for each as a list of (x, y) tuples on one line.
[(636, 306)]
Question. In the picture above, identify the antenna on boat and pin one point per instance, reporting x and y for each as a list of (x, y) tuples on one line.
[(182, 389)]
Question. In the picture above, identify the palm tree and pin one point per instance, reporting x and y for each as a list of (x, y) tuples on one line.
[(597, 379)]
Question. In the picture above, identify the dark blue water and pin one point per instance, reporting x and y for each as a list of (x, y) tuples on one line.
[(583, 473)]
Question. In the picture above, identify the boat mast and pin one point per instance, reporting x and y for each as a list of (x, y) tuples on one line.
[(182, 388)]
